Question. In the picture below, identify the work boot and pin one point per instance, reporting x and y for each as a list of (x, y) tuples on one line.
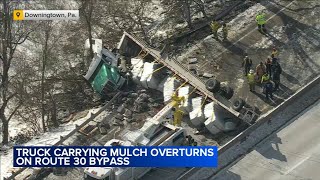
[(264, 30), (259, 29)]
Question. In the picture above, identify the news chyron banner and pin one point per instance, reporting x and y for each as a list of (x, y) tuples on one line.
[(35, 15), (115, 156)]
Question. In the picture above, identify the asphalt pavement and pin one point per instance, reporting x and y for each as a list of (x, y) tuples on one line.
[(290, 153)]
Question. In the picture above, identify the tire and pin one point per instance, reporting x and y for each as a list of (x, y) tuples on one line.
[(228, 92), (194, 71), (238, 104), (213, 85)]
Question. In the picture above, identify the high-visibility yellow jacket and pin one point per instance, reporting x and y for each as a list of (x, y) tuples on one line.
[(251, 78), (215, 26), (177, 100), (275, 53), (265, 78), (177, 117), (261, 19)]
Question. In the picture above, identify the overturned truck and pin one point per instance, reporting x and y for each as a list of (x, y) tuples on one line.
[(207, 102)]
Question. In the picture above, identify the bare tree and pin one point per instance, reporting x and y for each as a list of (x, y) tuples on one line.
[(178, 9), (47, 27), (86, 10), (201, 7), (187, 12), (136, 12), (11, 36)]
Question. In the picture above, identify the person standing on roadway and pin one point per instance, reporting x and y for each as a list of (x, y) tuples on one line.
[(276, 71), (261, 21), (268, 88), (225, 31), (274, 59), (268, 66), (247, 63), (215, 25), (265, 78), (260, 70), (274, 52), (251, 80), (177, 116)]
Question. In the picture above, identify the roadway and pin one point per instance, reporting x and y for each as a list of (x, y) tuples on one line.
[(290, 153)]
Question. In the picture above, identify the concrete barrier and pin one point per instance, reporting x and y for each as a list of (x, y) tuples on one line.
[(267, 116), (225, 159)]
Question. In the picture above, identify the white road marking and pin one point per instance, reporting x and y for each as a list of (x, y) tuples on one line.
[(295, 166), (226, 49)]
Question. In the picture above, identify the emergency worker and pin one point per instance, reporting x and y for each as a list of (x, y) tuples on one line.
[(247, 63), (251, 80), (268, 64), (225, 31), (260, 71), (261, 21), (215, 25)]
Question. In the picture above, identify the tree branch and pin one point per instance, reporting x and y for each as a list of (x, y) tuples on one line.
[(21, 37), (14, 111), (11, 96)]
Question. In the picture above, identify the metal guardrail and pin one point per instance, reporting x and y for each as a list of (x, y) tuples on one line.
[(263, 119), (63, 138)]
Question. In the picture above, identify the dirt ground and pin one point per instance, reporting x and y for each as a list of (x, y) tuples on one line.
[(290, 30)]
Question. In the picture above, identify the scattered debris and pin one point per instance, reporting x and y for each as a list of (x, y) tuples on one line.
[(193, 60), (128, 113), (121, 109), (207, 75), (169, 88), (196, 115)]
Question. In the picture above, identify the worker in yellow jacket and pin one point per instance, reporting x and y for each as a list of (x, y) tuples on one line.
[(177, 112), (177, 116), (261, 21), (251, 80), (215, 25), (265, 78), (177, 100)]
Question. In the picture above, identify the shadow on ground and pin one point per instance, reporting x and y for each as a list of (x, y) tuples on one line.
[(228, 175), (295, 31), (269, 152)]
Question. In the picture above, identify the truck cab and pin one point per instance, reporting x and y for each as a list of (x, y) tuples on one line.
[(103, 74)]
